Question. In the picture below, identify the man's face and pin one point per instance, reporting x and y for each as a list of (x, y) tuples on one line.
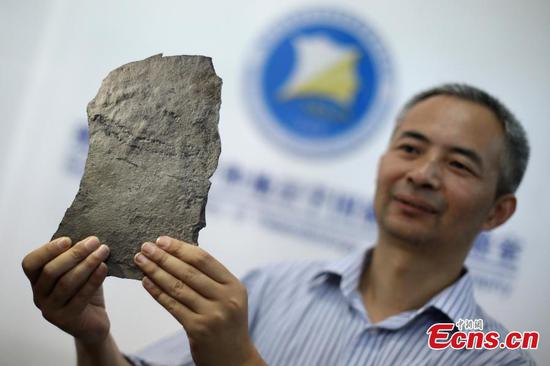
[(437, 180)]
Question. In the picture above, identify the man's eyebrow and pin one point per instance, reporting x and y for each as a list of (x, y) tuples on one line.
[(468, 153), (415, 135)]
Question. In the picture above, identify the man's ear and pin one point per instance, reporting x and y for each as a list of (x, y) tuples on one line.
[(503, 208)]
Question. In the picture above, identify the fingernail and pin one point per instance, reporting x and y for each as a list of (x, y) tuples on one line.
[(91, 243), (148, 248), (102, 252), (63, 242), (140, 258), (163, 242)]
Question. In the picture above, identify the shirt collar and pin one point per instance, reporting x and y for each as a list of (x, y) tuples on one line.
[(455, 301), (347, 269)]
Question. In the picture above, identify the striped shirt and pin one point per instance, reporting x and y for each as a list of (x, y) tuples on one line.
[(313, 314)]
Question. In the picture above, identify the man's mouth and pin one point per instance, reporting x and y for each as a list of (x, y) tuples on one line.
[(416, 203)]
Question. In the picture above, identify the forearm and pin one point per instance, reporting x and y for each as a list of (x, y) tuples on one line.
[(256, 359), (104, 353)]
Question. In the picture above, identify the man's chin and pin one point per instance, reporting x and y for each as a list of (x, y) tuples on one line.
[(408, 235)]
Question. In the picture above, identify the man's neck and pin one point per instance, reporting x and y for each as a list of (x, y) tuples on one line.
[(402, 277)]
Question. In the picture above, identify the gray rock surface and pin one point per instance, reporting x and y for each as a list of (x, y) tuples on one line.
[(154, 144)]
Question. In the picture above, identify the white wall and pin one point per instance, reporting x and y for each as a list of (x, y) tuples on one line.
[(55, 54)]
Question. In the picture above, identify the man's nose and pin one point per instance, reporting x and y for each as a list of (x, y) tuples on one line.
[(425, 174)]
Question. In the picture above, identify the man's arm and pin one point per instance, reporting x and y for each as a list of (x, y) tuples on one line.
[(102, 353)]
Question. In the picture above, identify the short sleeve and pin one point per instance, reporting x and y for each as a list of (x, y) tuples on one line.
[(169, 351), (256, 282)]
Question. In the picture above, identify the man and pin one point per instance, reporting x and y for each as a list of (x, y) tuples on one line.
[(453, 163)]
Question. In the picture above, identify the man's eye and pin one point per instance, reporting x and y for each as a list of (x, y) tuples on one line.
[(409, 149), (459, 165)]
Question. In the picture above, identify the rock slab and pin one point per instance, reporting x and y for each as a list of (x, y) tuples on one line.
[(154, 144)]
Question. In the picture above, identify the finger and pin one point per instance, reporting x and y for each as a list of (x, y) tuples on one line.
[(63, 263), (82, 298), (182, 313), (70, 283), (171, 285), (198, 258), (188, 274), (34, 261)]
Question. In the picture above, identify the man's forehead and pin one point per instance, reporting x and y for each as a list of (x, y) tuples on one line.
[(444, 111), (445, 104)]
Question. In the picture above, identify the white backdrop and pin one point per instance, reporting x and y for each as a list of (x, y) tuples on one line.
[(55, 54)]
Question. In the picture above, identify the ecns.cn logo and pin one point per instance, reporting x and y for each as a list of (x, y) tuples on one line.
[(318, 82)]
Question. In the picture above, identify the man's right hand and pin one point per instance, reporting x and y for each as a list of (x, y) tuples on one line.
[(66, 283)]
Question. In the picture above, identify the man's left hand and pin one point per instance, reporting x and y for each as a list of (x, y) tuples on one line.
[(204, 297)]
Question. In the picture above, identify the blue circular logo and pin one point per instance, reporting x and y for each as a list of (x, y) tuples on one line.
[(318, 82)]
